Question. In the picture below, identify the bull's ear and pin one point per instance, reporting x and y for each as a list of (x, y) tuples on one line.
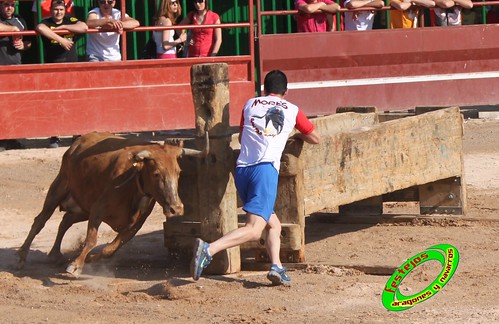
[(140, 157)]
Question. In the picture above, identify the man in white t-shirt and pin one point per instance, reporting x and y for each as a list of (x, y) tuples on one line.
[(105, 46), (360, 20), (266, 123), (448, 12)]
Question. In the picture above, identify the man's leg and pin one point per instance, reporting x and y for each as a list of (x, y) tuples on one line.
[(203, 252), (252, 231), (277, 273), (273, 243)]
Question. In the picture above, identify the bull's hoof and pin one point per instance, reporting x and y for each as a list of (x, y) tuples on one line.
[(20, 264), (57, 257), (74, 270), (22, 258)]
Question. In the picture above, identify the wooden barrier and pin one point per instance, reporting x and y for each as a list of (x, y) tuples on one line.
[(364, 161)]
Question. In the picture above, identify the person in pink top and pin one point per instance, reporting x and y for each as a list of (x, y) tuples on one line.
[(203, 42), (313, 15)]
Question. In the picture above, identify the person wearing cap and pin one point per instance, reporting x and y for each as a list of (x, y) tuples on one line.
[(60, 48), (105, 46), (11, 46), (45, 6), (10, 49)]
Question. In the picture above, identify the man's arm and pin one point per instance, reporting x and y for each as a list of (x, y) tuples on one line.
[(319, 7), (400, 5), (311, 7), (78, 28), (424, 3), (466, 4), (311, 138), (130, 23), (217, 37), (8, 28), (364, 3)]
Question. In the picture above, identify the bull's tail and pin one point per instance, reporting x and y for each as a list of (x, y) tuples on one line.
[(57, 193)]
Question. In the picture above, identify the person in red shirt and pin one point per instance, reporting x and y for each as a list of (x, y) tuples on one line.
[(203, 42), (313, 15)]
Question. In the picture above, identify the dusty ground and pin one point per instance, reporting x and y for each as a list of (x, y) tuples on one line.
[(142, 285)]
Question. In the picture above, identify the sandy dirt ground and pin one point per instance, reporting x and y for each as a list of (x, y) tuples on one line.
[(142, 284)]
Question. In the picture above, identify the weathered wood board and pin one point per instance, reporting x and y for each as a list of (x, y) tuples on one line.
[(370, 161)]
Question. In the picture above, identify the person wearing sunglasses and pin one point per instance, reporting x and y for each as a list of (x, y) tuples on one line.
[(11, 46), (203, 42), (105, 46), (60, 48), (167, 15), (10, 50)]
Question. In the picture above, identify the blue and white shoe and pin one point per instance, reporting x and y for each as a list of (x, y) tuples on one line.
[(201, 258), (278, 276)]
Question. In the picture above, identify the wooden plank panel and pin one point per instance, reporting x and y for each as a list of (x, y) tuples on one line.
[(386, 157)]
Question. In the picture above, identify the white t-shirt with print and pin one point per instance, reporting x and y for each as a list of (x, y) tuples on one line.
[(105, 45), (358, 20)]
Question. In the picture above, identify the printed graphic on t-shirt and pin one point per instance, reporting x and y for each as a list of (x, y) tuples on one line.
[(270, 124)]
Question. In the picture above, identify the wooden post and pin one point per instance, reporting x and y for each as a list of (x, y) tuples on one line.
[(217, 203)]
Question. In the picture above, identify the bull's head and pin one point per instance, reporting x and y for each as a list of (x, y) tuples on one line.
[(159, 173)]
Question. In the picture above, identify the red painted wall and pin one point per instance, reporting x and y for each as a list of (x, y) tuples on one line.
[(389, 69), (43, 100)]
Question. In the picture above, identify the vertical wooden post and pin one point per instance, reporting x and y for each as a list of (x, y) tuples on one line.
[(217, 203)]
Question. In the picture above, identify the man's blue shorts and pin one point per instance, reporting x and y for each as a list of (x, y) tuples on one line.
[(257, 188)]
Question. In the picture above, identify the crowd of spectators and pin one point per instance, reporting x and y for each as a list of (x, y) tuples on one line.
[(317, 15)]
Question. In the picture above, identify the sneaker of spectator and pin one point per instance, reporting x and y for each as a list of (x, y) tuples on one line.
[(54, 142)]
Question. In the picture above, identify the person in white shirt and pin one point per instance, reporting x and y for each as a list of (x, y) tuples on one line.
[(266, 124), (360, 20), (105, 46)]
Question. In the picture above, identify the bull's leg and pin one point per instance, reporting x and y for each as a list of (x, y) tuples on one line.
[(94, 221), (70, 218), (126, 234), (57, 192)]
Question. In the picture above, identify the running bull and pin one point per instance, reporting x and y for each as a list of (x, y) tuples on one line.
[(110, 179)]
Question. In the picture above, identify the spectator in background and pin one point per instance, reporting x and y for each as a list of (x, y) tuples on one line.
[(448, 12), (59, 48), (167, 15), (202, 42), (45, 6), (11, 48), (313, 15), (360, 20), (407, 11), (105, 46)]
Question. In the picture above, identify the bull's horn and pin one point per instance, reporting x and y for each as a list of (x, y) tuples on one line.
[(196, 153), (142, 155)]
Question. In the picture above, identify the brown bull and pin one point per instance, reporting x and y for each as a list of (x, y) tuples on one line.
[(111, 179)]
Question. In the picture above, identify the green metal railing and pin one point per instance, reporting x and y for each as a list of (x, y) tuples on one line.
[(235, 40)]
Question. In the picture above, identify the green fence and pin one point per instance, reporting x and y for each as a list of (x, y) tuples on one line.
[(235, 40)]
